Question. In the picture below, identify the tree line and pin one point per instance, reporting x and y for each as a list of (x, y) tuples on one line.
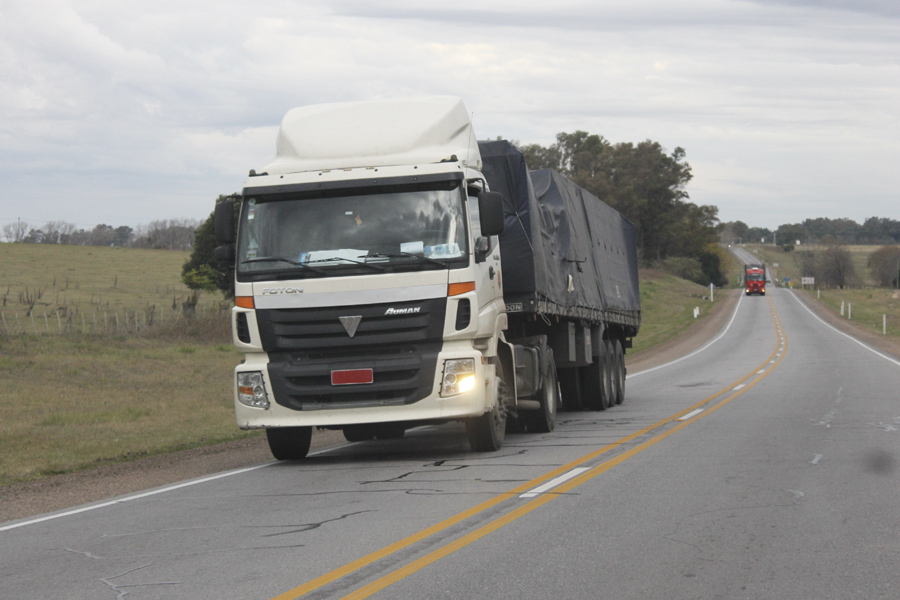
[(873, 231), (167, 234), (832, 266)]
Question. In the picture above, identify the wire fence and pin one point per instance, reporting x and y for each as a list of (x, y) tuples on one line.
[(120, 321)]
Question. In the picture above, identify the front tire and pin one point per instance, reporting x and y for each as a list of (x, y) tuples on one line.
[(487, 432), (289, 443)]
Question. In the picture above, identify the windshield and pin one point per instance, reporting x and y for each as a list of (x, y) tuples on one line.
[(413, 226)]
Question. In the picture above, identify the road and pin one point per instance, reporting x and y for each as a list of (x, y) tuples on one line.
[(762, 466)]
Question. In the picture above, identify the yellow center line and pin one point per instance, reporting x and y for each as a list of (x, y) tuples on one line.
[(531, 505)]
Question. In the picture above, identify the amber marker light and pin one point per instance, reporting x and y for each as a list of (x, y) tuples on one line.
[(455, 289), (244, 302)]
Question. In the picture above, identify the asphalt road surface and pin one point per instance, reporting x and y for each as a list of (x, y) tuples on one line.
[(764, 465)]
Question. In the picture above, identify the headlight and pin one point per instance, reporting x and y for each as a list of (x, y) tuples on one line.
[(252, 389), (459, 376)]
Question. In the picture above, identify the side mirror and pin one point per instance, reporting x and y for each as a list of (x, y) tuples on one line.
[(490, 211), (223, 221), (224, 254)]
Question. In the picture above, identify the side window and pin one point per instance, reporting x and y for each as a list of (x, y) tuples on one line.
[(474, 215)]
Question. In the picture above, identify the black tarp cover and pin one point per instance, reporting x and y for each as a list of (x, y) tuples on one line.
[(564, 251)]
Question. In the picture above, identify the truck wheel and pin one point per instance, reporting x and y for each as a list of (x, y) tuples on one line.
[(596, 381), (544, 420), (570, 389), (359, 433), (389, 431), (487, 432), (619, 372), (289, 443)]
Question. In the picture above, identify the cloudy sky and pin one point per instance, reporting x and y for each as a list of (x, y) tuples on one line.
[(128, 112)]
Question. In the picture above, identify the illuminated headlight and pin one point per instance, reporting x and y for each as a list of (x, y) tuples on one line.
[(252, 389), (459, 376)]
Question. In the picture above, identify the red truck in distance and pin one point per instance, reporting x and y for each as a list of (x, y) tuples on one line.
[(755, 279)]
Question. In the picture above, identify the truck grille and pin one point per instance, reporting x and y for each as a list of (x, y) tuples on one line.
[(398, 341)]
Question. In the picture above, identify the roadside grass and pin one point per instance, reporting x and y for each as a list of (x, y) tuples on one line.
[(667, 307), (71, 402), (74, 400)]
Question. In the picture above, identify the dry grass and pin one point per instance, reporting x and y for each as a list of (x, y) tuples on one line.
[(667, 307), (71, 402), (48, 289), (97, 392)]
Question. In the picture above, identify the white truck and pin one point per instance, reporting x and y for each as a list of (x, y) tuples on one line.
[(380, 284)]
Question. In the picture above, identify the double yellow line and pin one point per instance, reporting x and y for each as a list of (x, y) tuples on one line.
[(736, 389)]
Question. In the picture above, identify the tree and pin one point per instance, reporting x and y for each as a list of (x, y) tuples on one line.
[(884, 266), (789, 234), (736, 232), (202, 271), (836, 266), (15, 232), (168, 234)]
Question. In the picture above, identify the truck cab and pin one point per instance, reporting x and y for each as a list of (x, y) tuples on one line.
[(368, 295)]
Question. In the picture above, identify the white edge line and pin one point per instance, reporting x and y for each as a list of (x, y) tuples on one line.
[(850, 337), (554, 482), (139, 496), (695, 352)]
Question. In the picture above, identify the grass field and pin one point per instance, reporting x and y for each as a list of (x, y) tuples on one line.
[(47, 288), (81, 397)]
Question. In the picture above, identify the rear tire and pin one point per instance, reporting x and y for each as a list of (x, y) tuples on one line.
[(596, 380), (487, 432), (289, 443), (619, 372), (570, 389)]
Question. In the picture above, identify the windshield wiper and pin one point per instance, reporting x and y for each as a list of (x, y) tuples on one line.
[(282, 259), (349, 260), (419, 257)]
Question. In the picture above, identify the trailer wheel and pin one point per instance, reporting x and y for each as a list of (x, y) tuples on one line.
[(619, 372), (289, 443), (597, 381), (487, 432), (570, 389), (544, 420)]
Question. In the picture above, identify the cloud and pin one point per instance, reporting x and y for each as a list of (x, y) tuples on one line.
[(149, 110)]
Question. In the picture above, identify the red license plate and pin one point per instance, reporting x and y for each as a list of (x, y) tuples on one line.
[(352, 377)]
